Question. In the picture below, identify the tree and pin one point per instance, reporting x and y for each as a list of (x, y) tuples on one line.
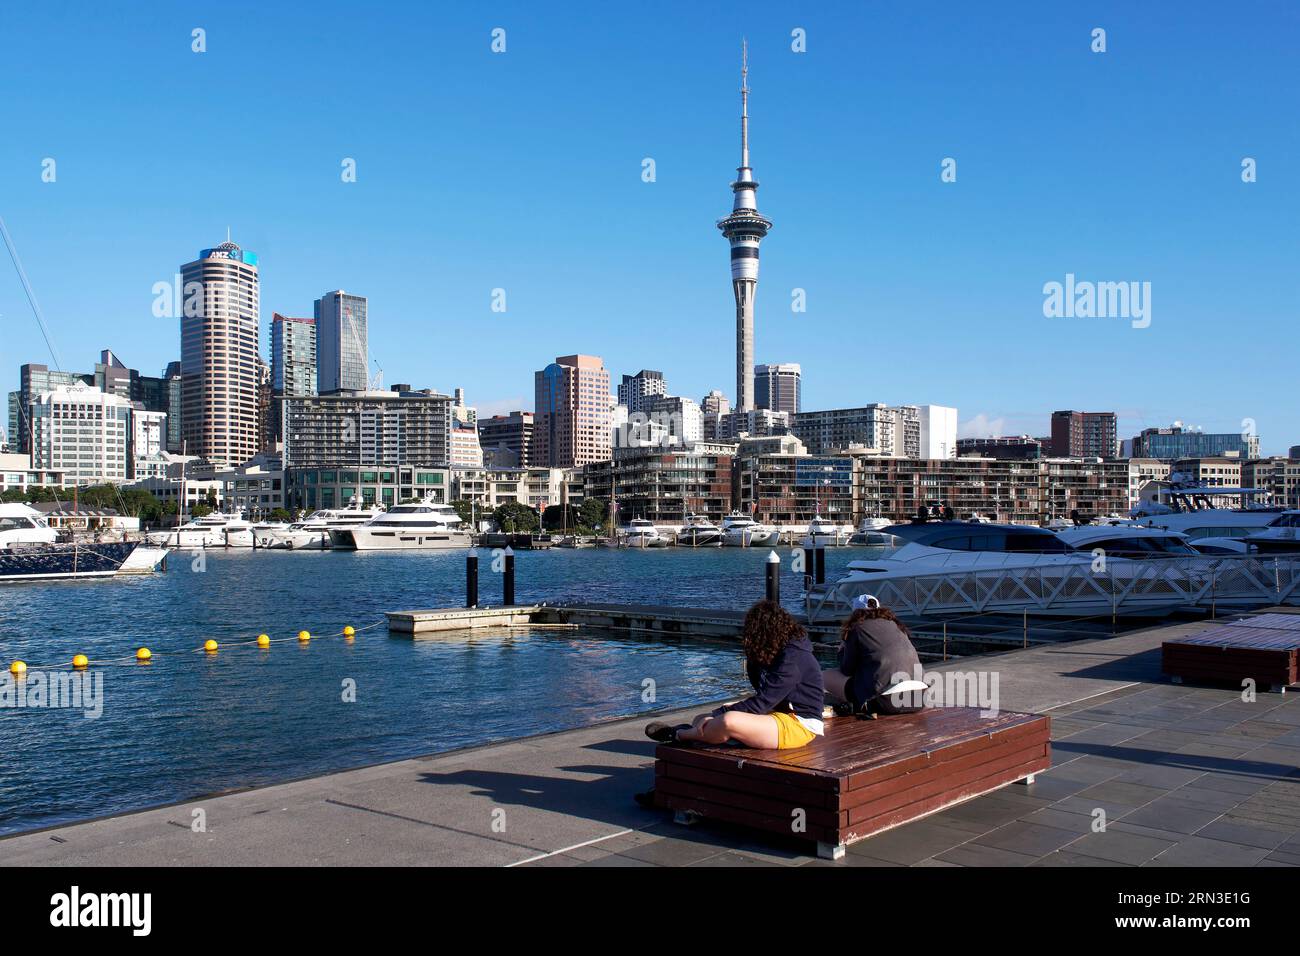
[(466, 510), (200, 510), (513, 517), (279, 514), (559, 517), (591, 516)]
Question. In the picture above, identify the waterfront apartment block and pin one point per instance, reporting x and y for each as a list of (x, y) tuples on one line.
[(572, 412), (507, 440), (680, 418), (219, 355), (1085, 434), (778, 387), (786, 489), (1278, 476), (310, 489), (254, 488), (368, 428), (83, 432), (1178, 442), (664, 485), (539, 488), (636, 392), (342, 343)]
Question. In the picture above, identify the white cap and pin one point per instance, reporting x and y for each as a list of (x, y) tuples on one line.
[(864, 602)]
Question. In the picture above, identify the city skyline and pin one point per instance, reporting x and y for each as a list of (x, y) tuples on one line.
[(909, 299)]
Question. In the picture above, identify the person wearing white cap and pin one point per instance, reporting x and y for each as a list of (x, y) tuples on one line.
[(875, 648)]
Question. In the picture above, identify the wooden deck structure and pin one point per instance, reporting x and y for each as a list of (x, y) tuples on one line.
[(1262, 648), (863, 777)]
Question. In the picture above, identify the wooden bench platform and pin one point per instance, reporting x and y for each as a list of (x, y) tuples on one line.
[(1263, 648), (863, 777)]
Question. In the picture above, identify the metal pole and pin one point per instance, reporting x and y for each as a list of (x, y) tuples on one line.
[(945, 640), (773, 577), (471, 579), (508, 585), (1026, 629), (819, 565)]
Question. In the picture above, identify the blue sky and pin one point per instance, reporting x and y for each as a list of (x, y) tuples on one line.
[(522, 171)]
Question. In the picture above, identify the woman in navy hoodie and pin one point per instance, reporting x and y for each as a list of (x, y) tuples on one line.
[(786, 710)]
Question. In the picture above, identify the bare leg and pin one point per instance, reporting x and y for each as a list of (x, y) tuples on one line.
[(836, 685), (752, 730)]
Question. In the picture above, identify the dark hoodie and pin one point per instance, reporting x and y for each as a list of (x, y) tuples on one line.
[(792, 682), (873, 656)]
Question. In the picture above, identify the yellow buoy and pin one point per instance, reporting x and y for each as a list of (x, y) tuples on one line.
[(349, 631), (80, 661), (18, 667), (143, 654), (210, 646), (263, 641), (304, 636)]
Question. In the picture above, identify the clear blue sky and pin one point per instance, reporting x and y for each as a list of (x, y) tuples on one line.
[(523, 171)]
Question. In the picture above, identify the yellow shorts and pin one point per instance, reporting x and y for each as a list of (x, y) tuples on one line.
[(790, 733)]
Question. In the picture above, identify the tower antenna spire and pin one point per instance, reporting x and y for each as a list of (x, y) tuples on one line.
[(744, 103)]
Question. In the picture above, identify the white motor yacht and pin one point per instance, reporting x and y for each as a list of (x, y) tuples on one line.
[(423, 526), (215, 530), (1282, 535), (741, 531), (699, 532), (642, 533), (1195, 511), (867, 533), (823, 533), (952, 567), (313, 532)]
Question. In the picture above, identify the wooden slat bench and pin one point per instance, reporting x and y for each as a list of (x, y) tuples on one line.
[(1263, 648), (863, 777)]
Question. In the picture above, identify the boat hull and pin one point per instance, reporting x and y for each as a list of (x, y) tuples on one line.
[(425, 539), (76, 561)]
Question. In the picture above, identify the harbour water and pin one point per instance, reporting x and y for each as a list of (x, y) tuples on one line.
[(192, 723)]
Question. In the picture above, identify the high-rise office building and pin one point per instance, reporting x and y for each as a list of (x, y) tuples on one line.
[(636, 392), (507, 440), (572, 413), (33, 379), (342, 347), (777, 387), (293, 365), (347, 430), (938, 431), (744, 229), (83, 432), (219, 356)]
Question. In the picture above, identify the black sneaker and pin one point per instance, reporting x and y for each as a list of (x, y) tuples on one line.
[(661, 732)]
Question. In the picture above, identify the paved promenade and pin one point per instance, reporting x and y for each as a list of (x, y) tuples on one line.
[(1185, 776)]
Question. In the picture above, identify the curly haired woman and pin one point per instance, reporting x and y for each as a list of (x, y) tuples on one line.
[(786, 710)]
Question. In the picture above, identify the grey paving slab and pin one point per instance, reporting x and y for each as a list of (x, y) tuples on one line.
[(1067, 858), (1198, 851), (1230, 830), (1118, 846), (912, 843), (1168, 814), (1031, 839), (973, 854)]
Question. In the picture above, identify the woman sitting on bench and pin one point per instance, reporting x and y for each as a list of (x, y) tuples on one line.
[(876, 658), (786, 711)]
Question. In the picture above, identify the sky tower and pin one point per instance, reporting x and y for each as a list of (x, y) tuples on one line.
[(744, 229)]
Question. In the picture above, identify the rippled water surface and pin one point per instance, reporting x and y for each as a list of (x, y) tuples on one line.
[(192, 723)]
